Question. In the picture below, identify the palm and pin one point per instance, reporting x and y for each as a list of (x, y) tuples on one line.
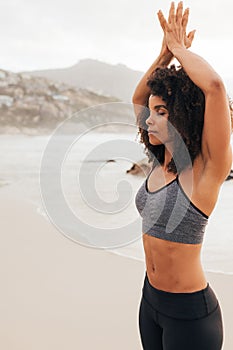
[(188, 39)]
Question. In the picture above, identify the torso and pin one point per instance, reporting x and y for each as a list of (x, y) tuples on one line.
[(176, 267)]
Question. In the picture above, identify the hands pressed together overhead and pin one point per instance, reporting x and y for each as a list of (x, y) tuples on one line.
[(175, 28)]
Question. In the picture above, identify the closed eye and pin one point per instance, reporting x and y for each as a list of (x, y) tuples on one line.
[(161, 112)]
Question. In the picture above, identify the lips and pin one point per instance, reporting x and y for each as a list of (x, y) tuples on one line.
[(152, 132)]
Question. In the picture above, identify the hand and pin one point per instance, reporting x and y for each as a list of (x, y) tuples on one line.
[(175, 28), (164, 49)]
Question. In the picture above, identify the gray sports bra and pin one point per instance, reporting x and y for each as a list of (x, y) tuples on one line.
[(169, 214)]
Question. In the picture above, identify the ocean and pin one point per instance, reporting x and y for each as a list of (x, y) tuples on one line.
[(83, 189)]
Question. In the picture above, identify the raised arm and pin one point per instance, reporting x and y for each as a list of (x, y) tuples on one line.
[(216, 148), (142, 92)]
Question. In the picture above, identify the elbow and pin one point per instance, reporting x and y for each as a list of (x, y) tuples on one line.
[(136, 100), (140, 100), (216, 85)]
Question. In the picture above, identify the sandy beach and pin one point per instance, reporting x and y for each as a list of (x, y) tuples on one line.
[(57, 294)]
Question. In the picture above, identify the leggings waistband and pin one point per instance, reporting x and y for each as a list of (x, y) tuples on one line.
[(187, 306)]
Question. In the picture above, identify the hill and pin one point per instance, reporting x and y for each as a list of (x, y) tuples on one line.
[(35, 105), (102, 78)]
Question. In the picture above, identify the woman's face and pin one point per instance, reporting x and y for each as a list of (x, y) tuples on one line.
[(157, 121)]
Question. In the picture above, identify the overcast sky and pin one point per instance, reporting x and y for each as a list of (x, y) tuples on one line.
[(40, 34)]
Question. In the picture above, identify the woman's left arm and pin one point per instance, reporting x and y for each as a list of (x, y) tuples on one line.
[(216, 147)]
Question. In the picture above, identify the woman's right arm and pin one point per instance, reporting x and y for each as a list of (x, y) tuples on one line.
[(142, 92)]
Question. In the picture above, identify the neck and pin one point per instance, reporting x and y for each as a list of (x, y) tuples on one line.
[(167, 156)]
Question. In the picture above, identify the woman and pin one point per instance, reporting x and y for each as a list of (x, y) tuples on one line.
[(188, 111)]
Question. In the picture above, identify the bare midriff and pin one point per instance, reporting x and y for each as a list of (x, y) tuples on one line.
[(173, 267)]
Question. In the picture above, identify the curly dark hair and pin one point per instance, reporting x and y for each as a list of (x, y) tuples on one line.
[(186, 106)]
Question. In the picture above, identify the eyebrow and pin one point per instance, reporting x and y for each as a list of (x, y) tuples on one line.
[(160, 106)]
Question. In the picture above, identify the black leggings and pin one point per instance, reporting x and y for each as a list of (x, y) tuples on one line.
[(180, 321)]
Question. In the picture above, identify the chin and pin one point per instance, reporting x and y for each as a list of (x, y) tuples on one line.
[(154, 141)]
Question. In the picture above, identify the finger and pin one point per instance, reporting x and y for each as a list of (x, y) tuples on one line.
[(162, 20), (172, 13), (190, 38), (191, 35), (179, 12), (185, 19)]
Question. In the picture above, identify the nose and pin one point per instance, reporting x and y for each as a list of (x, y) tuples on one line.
[(149, 120)]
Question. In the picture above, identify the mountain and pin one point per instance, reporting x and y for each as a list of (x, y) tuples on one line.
[(102, 78), (34, 105)]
